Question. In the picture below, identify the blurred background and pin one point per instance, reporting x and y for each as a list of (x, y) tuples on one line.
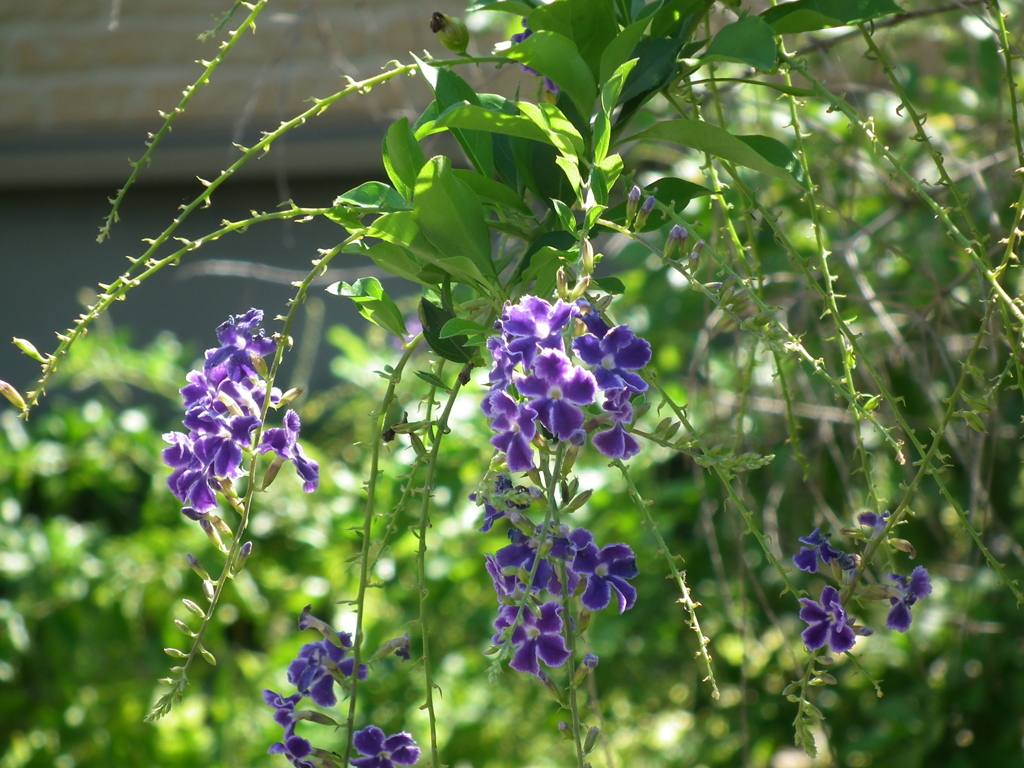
[(93, 547)]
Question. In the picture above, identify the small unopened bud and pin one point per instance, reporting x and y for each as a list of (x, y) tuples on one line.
[(676, 237), (271, 473), (562, 283), (212, 534), (290, 396), (565, 730), (632, 204), (587, 259), (578, 502), (451, 31), (591, 740), (193, 608), (903, 546), (644, 213), (584, 668), (28, 348), (198, 568), (549, 684), (243, 555), (582, 286), (695, 255), (260, 366), (13, 396), (584, 621), (209, 590)]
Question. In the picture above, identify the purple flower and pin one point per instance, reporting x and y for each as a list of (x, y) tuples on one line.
[(557, 388), (319, 664), (549, 84), (817, 546), (284, 443), (906, 593), (827, 622), (606, 570), (238, 345), (532, 325), (295, 748), (875, 522), (516, 427), (615, 356), (539, 638), (381, 751)]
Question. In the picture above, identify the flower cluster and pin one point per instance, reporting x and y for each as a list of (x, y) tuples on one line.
[(537, 561), (534, 382), (314, 673), (827, 619), (223, 406)]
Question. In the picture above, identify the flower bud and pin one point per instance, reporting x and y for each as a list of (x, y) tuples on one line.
[(695, 255), (632, 203), (243, 555), (586, 259), (591, 740), (212, 534), (451, 31), (644, 213), (198, 568), (28, 348), (903, 546), (13, 396), (676, 237)]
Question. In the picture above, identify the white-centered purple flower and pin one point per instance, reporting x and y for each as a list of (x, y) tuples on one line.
[(615, 356), (380, 751), (539, 639), (533, 325), (817, 546), (606, 570), (557, 389), (828, 623), (907, 591)]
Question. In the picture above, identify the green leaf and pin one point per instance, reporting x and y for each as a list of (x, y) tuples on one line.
[(450, 89), (558, 129), (375, 305), (506, 6), (434, 319), (373, 195), (611, 285), (451, 216), (809, 15), (705, 137), (466, 115), (609, 98), (565, 216), (556, 57), (433, 381), (492, 191), (403, 157), (396, 260), (589, 24), (776, 153), (620, 50), (677, 18), (457, 326), (749, 41)]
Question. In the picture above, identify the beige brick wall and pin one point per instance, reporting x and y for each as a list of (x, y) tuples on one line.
[(78, 94)]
